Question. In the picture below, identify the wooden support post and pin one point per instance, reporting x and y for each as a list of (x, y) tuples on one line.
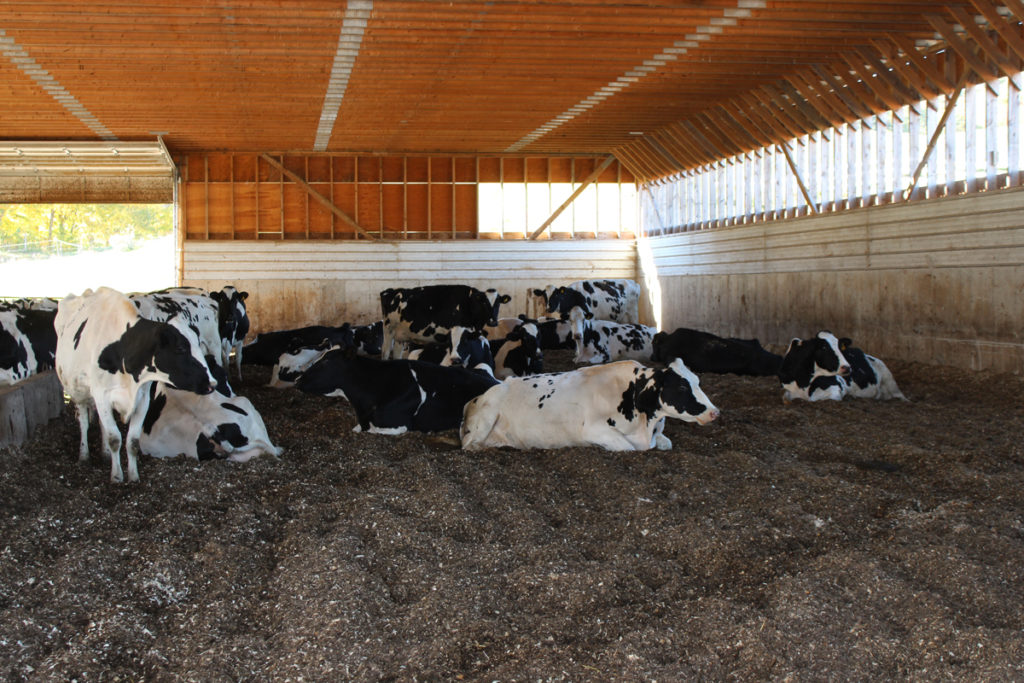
[(950, 104), (799, 179), (579, 190), (317, 196)]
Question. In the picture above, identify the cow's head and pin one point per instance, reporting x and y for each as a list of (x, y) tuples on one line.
[(564, 300), (806, 359), (468, 349), (154, 351), (494, 301), (590, 347), (657, 345), (680, 395)]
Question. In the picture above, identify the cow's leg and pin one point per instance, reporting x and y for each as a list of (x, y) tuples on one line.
[(111, 441), (82, 409), (660, 441), (238, 360), (387, 341), (135, 422)]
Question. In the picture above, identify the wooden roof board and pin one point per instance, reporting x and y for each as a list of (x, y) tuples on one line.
[(469, 76)]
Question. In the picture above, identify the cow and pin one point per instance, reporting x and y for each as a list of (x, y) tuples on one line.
[(42, 303), (291, 364), (519, 353), (604, 341), (232, 323), (556, 333), (107, 354), (621, 406), (187, 306), (28, 343), (617, 300), (706, 352), (368, 338), (395, 396), (869, 376), (427, 314), (805, 365), (504, 326), (267, 347), (465, 348), (202, 427)]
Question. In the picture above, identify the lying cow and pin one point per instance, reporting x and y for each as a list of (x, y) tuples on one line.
[(604, 341), (368, 338), (464, 348), (292, 364), (621, 407), (808, 366), (202, 427), (267, 347), (107, 354), (617, 300), (519, 353), (427, 314), (869, 376), (706, 352), (28, 343), (556, 333), (394, 396), (232, 323)]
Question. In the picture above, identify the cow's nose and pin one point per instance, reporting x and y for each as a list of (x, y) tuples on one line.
[(709, 416), (844, 370), (212, 388)]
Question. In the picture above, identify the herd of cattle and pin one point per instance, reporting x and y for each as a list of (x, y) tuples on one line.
[(440, 358)]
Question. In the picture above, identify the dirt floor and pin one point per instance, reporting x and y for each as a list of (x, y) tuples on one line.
[(858, 540)]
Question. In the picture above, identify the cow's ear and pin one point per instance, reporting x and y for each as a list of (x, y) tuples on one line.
[(243, 295), (845, 343), (794, 343), (504, 299), (219, 297), (522, 316)]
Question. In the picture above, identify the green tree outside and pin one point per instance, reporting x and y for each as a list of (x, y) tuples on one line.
[(38, 229)]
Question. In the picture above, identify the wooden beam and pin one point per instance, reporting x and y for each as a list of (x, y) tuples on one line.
[(982, 40), (950, 104), (928, 67), (316, 195), (910, 75), (799, 179), (1007, 31), (962, 49), (576, 193)]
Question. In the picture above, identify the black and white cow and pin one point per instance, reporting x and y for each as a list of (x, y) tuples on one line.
[(368, 338), (604, 341), (267, 347), (617, 300), (28, 343), (621, 407), (706, 352), (292, 364), (425, 315), (232, 323), (107, 354), (869, 376), (395, 396), (189, 307), (810, 366), (465, 348), (202, 427), (556, 333), (519, 353)]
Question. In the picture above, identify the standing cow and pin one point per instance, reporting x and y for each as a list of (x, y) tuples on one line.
[(621, 407), (107, 354), (617, 300), (232, 323), (427, 314)]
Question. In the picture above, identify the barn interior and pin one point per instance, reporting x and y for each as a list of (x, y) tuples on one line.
[(763, 168), (317, 152)]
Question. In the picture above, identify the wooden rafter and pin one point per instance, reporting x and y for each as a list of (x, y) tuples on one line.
[(985, 44), (962, 48), (1007, 31)]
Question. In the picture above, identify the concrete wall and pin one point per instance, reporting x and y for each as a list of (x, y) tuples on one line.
[(298, 283), (938, 281), (32, 402)]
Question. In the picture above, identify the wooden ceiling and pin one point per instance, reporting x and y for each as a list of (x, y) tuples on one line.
[(663, 85)]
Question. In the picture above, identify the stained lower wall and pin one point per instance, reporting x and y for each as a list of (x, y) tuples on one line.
[(940, 282), (292, 284)]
